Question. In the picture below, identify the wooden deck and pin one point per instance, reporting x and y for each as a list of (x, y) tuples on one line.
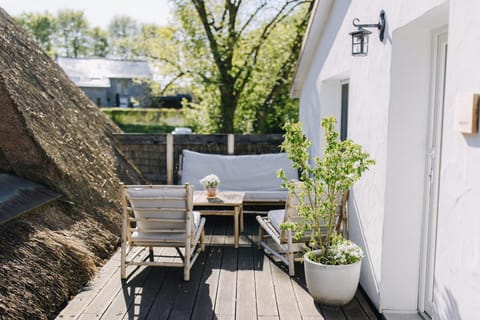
[(226, 283)]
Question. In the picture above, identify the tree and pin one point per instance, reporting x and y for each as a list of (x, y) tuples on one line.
[(122, 31), (99, 42), (72, 38), (236, 58), (42, 27), (282, 48), (222, 51), (160, 46)]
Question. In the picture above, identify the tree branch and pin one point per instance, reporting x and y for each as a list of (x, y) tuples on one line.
[(222, 20), (180, 70), (171, 82), (253, 54), (250, 19), (203, 15), (284, 72)]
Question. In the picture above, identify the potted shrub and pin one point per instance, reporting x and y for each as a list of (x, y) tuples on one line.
[(332, 263), (210, 183)]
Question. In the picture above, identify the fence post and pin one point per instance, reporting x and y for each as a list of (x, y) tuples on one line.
[(231, 143), (169, 154)]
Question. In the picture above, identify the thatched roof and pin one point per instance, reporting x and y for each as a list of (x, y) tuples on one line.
[(52, 134)]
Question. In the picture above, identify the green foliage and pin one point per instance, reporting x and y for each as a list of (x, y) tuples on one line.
[(235, 58), (123, 27), (42, 27), (239, 60), (122, 31), (266, 104), (145, 120), (66, 34), (160, 46), (323, 181), (72, 37), (203, 115), (99, 42)]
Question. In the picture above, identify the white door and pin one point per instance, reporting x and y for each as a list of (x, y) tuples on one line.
[(433, 160)]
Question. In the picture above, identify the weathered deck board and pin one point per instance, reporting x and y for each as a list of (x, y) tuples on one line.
[(83, 298), (307, 306), (353, 310), (126, 296), (286, 301), (246, 297), (163, 303), (144, 298), (333, 313), (266, 301), (365, 305), (100, 303), (226, 283), (185, 301), (207, 291)]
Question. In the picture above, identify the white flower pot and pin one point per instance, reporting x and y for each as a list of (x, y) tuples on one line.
[(332, 285)]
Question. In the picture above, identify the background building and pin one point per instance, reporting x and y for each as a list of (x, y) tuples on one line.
[(108, 82)]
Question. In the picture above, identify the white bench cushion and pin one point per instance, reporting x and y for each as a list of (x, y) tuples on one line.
[(276, 218), (256, 175)]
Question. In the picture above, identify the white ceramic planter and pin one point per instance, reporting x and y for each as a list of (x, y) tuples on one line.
[(332, 285)]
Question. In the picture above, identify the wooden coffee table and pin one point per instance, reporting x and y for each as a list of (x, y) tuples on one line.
[(227, 203)]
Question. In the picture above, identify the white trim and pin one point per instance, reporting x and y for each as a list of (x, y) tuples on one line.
[(439, 40)]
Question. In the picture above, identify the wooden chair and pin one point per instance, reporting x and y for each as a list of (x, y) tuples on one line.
[(285, 245), (161, 216)]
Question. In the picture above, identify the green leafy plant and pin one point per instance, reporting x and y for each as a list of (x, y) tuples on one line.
[(322, 182)]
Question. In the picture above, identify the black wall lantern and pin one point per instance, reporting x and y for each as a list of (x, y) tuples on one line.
[(360, 37)]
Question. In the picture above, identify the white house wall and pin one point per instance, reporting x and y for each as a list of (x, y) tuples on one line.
[(389, 99), (457, 274), (405, 167)]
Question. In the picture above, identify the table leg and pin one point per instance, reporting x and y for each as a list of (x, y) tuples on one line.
[(241, 219), (236, 213)]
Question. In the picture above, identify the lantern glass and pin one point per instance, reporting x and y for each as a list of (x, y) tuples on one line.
[(360, 42)]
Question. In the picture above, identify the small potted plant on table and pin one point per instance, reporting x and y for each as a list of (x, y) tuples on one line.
[(332, 263), (210, 183)]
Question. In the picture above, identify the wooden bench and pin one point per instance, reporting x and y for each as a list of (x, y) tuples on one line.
[(256, 175)]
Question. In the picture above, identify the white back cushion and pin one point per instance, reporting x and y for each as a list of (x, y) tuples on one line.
[(237, 173), (159, 202)]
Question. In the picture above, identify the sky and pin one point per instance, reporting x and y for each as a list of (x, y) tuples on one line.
[(97, 12)]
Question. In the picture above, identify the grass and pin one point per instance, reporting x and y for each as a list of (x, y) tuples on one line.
[(134, 120)]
